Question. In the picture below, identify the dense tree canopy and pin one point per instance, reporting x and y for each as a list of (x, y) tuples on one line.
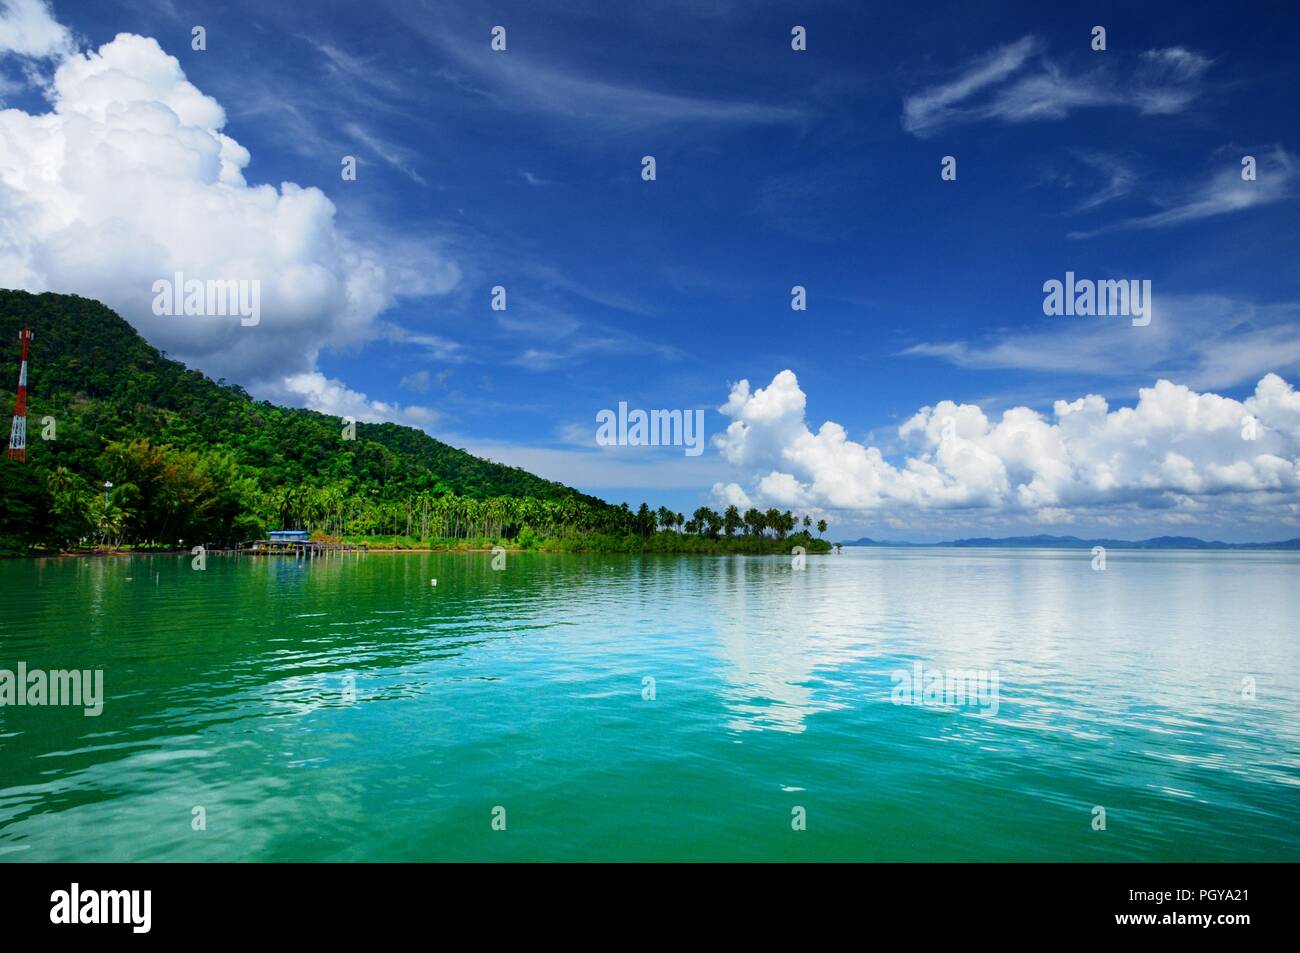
[(128, 447)]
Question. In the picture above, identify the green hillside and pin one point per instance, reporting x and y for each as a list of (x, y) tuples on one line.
[(198, 461), (102, 382)]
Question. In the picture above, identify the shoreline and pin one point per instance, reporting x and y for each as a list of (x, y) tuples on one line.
[(514, 550), (478, 550)]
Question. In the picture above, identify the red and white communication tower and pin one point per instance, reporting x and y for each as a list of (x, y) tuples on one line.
[(18, 434)]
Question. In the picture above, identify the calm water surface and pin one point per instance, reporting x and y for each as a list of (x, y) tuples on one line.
[(227, 690)]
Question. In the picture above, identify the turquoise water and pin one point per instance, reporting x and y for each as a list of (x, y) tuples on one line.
[(227, 690)]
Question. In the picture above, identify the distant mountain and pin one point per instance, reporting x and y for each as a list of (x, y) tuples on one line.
[(867, 541), (1074, 542)]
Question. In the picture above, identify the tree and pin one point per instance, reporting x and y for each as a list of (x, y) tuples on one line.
[(821, 527), (198, 462), (645, 521), (70, 504), (731, 520), (712, 523), (23, 511), (701, 519), (113, 512)]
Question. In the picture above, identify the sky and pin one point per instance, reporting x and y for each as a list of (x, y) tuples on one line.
[(922, 394)]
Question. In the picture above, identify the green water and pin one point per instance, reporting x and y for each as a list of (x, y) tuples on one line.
[(226, 690)]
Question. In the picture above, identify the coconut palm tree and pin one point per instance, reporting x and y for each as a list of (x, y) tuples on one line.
[(731, 520)]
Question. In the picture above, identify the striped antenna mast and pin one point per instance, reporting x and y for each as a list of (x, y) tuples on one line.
[(18, 433)]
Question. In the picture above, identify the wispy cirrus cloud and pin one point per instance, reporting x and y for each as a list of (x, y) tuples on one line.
[(1221, 193), (417, 382), (363, 76), (1206, 340), (594, 342), (399, 157), (433, 345), (1096, 178), (933, 106), (533, 85), (1017, 83), (1118, 179), (521, 81)]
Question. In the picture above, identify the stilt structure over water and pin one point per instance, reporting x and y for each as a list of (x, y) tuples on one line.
[(303, 549), (294, 542)]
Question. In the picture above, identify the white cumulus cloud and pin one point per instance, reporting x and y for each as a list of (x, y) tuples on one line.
[(331, 396), (1176, 450), (130, 178), (732, 494), (28, 29)]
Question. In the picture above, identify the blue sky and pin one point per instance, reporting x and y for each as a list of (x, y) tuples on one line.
[(774, 168)]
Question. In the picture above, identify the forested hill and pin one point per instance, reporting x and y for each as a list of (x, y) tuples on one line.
[(102, 383), (147, 453)]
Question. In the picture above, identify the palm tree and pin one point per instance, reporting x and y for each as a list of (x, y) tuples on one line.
[(731, 520), (713, 522), (775, 522), (701, 518), (645, 520), (113, 513), (72, 501), (283, 501), (821, 527)]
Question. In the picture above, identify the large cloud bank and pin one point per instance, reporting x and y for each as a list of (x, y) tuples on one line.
[(1176, 452), (130, 179)]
